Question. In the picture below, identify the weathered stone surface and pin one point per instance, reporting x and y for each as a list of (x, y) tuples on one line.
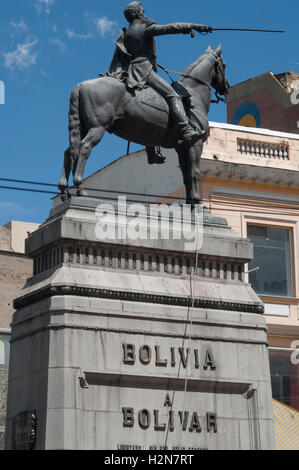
[(15, 269), (107, 355), (3, 398)]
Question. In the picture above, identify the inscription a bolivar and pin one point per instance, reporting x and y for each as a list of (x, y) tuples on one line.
[(188, 421)]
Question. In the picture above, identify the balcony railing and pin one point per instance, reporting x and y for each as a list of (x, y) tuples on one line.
[(263, 149)]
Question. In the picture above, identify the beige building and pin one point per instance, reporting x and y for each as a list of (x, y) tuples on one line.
[(254, 183), (15, 268)]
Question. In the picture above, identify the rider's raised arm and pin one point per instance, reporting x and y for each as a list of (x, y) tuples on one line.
[(176, 28)]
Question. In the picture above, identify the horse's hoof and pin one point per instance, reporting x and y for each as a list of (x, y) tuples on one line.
[(81, 192), (62, 186), (78, 180)]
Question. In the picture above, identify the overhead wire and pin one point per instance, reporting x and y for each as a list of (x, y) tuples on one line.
[(120, 192), (247, 205)]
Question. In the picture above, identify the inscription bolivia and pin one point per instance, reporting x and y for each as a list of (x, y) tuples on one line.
[(146, 356)]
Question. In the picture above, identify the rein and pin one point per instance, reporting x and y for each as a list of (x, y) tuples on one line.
[(183, 75), (218, 98)]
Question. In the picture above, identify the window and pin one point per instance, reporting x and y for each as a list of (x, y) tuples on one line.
[(272, 257), (284, 377), (4, 350)]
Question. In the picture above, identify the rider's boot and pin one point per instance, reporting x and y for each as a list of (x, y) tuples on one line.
[(187, 135)]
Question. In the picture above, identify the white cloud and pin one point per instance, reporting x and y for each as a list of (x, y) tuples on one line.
[(8, 205), (71, 34), (18, 28), (59, 44), (23, 57), (44, 5), (104, 26)]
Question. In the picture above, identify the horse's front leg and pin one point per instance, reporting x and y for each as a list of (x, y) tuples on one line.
[(194, 159), (92, 138), (63, 182), (189, 163)]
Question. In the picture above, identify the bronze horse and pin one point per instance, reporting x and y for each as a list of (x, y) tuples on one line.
[(104, 104)]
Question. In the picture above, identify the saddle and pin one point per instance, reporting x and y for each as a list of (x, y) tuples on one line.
[(152, 98)]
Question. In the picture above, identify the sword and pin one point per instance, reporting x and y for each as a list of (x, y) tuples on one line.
[(245, 29), (242, 29)]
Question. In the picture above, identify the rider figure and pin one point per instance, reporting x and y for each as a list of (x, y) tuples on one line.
[(135, 62)]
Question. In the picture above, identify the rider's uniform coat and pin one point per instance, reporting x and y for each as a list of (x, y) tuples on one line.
[(135, 56)]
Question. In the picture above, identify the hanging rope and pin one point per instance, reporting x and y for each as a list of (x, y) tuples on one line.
[(189, 320)]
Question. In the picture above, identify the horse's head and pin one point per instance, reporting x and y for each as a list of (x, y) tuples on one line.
[(218, 79), (209, 70)]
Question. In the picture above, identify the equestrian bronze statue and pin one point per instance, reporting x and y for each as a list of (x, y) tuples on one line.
[(133, 102)]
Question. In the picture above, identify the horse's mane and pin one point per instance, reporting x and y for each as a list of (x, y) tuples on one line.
[(194, 64)]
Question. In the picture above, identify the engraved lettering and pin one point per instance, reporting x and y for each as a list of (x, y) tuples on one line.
[(159, 361), (195, 424), (209, 361), (129, 353), (184, 419), (144, 419), (184, 358), (158, 427), (167, 401), (171, 421), (172, 350), (211, 422), (128, 417), (145, 354), (196, 359)]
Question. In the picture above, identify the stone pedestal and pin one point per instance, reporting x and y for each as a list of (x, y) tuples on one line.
[(111, 351)]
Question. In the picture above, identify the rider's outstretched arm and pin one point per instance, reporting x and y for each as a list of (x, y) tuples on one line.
[(176, 28)]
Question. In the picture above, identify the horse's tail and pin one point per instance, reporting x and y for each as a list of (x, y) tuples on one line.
[(74, 127)]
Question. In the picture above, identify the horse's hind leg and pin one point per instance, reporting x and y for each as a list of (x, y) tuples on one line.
[(92, 138)]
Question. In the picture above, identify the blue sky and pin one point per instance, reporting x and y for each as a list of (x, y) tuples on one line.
[(48, 46)]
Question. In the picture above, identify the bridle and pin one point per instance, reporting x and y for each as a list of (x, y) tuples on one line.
[(217, 68)]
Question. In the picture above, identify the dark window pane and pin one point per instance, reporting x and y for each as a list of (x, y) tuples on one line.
[(272, 254)]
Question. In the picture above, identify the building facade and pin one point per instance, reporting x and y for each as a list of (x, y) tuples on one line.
[(15, 269), (254, 183), (266, 101)]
